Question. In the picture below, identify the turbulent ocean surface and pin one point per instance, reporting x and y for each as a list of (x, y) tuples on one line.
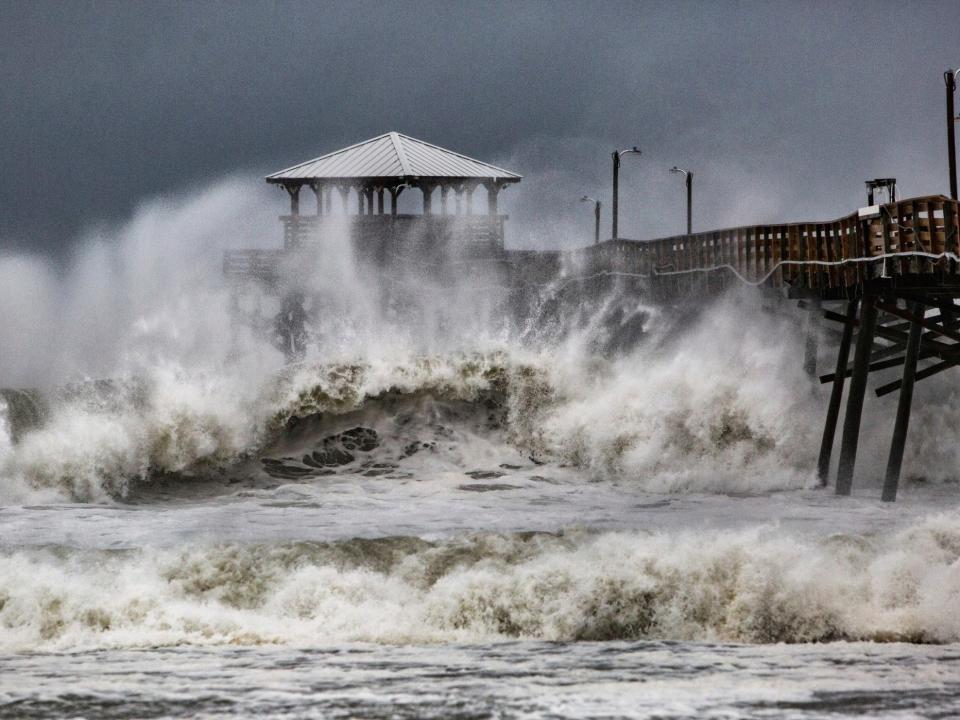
[(607, 510)]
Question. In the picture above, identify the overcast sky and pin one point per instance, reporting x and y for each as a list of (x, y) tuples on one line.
[(781, 109)]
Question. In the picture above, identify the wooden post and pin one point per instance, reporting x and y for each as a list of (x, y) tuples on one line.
[(895, 461), (836, 395), (858, 386), (444, 191), (380, 201), (368, 194), (318, 191)]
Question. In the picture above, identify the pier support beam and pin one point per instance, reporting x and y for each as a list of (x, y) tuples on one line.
[(810, 344), (891, 480), (836, 395), (291, 326), (858, 386)]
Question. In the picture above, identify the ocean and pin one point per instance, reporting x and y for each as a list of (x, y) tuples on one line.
[(442, 512)]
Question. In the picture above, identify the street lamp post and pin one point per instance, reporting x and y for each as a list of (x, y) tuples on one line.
[(616, 183), (950, 78), (596, 217), (689, 177)]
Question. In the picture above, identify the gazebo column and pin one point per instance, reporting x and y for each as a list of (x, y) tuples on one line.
[(368, 196), (444, 191), (294, 191), (344, 192), (380, 200), (427, 190), (470, 190), (493, 190), (328, 199), (318, 191), (458, 199), (361, 201), (395, 197)]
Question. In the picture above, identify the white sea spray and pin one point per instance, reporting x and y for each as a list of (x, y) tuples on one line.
[(756, 585)]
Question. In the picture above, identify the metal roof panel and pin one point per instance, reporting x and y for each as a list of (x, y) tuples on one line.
[(392, 155)]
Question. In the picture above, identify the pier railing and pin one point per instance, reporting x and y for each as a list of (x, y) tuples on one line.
[(907, 237), (912, 237), (470, 230), (259, 265)]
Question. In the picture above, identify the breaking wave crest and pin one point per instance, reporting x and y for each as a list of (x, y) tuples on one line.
[(745, 586), (674, 414), (677, 422)]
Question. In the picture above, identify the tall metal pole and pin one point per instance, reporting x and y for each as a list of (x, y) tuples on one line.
[(616, 184), (596, 217), (688, 179), (949, 77), (616, 191), (596, 225)]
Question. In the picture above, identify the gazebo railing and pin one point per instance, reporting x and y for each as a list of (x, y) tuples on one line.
[(480, 230)]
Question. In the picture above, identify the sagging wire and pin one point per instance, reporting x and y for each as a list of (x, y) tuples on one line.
[(713, 268)]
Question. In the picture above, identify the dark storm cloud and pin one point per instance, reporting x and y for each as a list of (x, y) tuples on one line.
[(783, 108)]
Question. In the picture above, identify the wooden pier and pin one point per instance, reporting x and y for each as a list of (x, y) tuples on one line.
[(888, 274), (892, 269)]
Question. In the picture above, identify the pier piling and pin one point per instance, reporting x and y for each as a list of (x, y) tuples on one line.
[(858, 386), (895, 461), (811, 340), (836, 394)]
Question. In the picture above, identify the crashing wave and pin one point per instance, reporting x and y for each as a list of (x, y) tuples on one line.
[(758, 585), (655, 423)]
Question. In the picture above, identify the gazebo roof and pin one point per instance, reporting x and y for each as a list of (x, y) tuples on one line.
[(393, 156)]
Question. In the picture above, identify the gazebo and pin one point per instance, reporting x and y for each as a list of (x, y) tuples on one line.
[(364, 174)]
